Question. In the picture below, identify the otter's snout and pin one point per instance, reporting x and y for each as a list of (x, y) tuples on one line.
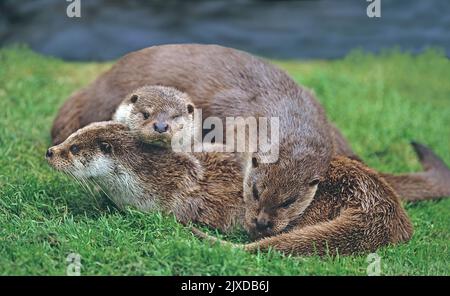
[(262, 225), (49, 153), (160, 127)]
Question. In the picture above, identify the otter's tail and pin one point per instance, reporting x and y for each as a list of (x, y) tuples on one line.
[(433, 182)]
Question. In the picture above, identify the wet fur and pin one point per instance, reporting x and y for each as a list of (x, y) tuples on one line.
[(268, 204)]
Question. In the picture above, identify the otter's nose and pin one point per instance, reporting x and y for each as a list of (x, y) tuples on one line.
[(161, 127), (49, 153), (263, 223)]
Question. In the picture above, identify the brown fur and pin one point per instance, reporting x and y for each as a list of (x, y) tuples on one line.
[(354, 210), (195, 188)]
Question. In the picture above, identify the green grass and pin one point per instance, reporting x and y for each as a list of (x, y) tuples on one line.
[(380, 103)]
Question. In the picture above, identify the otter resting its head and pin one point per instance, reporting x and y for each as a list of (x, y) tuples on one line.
[(276, 194), (129, 172), (157, 114)]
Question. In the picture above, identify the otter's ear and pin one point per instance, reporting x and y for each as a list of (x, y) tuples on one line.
[(254, 162), (134, 98), (105, 147), (190, 108)]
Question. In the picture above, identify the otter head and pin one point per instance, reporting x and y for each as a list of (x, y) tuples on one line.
[(90, 152), (157, 114), (276, 194)]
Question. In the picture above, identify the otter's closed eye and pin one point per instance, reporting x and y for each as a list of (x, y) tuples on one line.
[(314, 182), (255, 192), (176, 116), (288, 202), (254, 162), (74, 149), (146, 115)]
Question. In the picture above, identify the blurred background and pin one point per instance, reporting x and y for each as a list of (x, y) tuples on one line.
[(277, 29)]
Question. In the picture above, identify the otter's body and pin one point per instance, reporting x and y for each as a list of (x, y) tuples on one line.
[(194, 188), (354, 210)]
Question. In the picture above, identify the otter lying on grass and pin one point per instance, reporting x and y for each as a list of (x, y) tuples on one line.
[(148, 177), (353, 211)]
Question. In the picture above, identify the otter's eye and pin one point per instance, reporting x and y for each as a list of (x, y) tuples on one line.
[(288, 202), (105, 147), (74, 149), (133, 98), (314, 182), (255, 192), (190, 108), (146, 115), (176, 116)]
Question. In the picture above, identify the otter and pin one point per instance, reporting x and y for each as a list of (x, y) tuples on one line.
[(353, 211), (157, 114), (150, 177)]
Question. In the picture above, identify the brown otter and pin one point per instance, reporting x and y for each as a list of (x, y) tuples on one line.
[(147, 177), (157, 114), (354, 210)]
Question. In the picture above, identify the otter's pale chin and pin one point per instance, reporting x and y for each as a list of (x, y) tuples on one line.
[(123, 113), (97, 167)]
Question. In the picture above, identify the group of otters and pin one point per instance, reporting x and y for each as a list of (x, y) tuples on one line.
[(318, 198)]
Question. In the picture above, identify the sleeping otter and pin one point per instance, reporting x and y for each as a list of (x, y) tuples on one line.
[(353, 211)]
